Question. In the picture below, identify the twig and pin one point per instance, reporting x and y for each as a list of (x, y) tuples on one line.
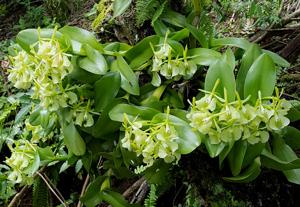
[(18, 196), (86, 181), (140, 192), (51, 189), (288, 18), (54, 187), (133, 187)]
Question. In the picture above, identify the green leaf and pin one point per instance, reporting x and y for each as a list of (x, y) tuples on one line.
[(292, 137), (180, 35), (224, 153), (129, 81), (34, 166), (260, 77), (117, 113), (251, 54), (203, 56), (188, 140), (106, 89), (230, 58), (113, 198), (236, 157), (141, 52), (221, 70), (80, 74), (174, 18), (120, 6), (213, 149), (94, 62), (284, 152), (28, 37), (231, 41), (104, 125), (248, 175), (73, 140), (277, 59), (92, 196), (198, 35), (253, 151), (79, 37), (160, 28), (272, 161), (22, 113)]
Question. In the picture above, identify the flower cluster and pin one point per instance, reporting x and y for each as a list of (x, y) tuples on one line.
[(226, 122), (22, 162), (43, 70), (151, 140), (171, 68)]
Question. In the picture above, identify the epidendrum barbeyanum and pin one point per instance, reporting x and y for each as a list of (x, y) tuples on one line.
[(86, 102)]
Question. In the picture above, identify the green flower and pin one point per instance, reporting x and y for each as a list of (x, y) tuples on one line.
[(22, 162), (151, 140), (22, 73), (278, 122), (258, 136), (200, 121), (208, 102), (231, 133)]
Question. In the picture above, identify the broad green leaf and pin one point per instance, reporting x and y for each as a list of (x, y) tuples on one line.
[(92, 196), (104, 125), (141, 52), (120, 6), (221, 70), (236, 157), (34, 166), (251, 54), (117, 113), (175, 45), (284, 152), (174, 18), (230, 59), (277, 59), (23, 112), (260, 77), (28, 37), (231, 41), (224, 153), (106, 90), (188, 140), (213, 149), (129, 81), (248, 175), (292, 137), (114, 199), (253, 151), (198, 35), (160, 28), (78, 37), (203, 56), (272, 161), (180, 35), (73, 140), (116, 48), (94, 62), (80, 74), (34, 118)]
